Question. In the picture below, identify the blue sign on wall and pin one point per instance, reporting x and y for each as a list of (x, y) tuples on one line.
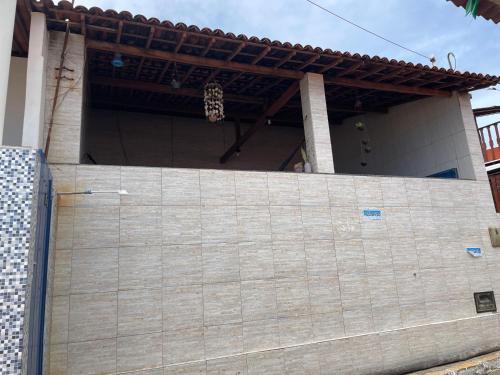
[(371, 214), (474, 251)]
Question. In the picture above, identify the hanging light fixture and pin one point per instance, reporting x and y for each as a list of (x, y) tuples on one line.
[(117, 61), (214, 102), (175, 83)]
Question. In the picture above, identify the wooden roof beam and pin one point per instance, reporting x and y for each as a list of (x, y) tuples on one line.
[(333, 64), (192, 60), (148, 44), (285, 59), (269, 112), (261, 55), (310, 61), (350, 69), (214, 73), (386, 87), (166, 89)]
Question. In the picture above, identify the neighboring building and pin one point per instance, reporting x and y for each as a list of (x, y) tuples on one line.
[(220, 259), (489, 9)]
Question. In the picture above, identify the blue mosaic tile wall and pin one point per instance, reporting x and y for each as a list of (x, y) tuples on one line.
[(17, 177)]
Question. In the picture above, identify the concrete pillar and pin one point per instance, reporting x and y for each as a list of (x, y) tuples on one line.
[(34, 109), (316, 126), (8, 12), (471, 166)]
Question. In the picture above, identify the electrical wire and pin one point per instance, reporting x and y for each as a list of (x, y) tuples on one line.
[(430, 58)]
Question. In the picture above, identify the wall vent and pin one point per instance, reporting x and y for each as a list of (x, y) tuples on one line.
[(485, 302)]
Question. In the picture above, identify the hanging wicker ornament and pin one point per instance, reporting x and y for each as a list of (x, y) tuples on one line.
[(214, 102)]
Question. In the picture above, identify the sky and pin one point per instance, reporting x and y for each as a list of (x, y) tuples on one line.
[(431, 27)]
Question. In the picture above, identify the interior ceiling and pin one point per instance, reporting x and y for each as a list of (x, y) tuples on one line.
[(253, 72)]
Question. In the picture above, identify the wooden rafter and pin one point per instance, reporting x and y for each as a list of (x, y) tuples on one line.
[(269, 112), (261, 55), (286, 59), (166, 89), (386, 87), (310, 61), (192, 60), (332, 65)]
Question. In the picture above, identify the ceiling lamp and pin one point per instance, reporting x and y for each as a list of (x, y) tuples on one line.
[(175, 82), (214, 102), (117, 61)]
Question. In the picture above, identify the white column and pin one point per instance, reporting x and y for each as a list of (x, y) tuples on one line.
[(316, 126), (34, 109), (8, 12)]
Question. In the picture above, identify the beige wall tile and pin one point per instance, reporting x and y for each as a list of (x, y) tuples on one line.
[(97, 178), (251, 189), (183, 345), (62, 273), (283, 189), (254, 224), (292, 297), (317, 223), (58, 359), (139, 352), (181, 225), (94, 270), (217, 187), (139, 311), (320, 258), (96, 227), (286, 223), (260, 335), (220, 263), (289, 259), (182, 307), (140, 225), (295, 330), (140, 267), (223, 340), (187, 369), (92, 357), (180, 187), (219, 224), (92, 316), (256, 260), (222, 303), (269, 362), (302, 360), (60, 320), (227, 366), (182, 265), (258, 300), (143, 185)]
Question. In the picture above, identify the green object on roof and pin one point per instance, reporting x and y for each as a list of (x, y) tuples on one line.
[(471, 7)]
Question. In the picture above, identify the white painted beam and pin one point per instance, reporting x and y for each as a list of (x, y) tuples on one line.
[(34, 110), (8, 12)]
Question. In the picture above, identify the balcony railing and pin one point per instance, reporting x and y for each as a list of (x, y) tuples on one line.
[(489, 136)]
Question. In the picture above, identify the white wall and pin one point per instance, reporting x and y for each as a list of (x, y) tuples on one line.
[(141, 139), (415, 139), (14, 113)]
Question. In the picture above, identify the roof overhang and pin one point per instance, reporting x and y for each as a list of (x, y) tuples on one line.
[(489, 9), (255, 72)]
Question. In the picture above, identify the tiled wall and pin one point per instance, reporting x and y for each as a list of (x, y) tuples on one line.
[(414, 139), (17, 179), (221, 272), (67, 125)]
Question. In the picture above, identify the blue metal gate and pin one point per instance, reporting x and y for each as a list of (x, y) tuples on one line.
[(40, 267)]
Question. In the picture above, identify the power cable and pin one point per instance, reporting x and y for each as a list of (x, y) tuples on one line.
[(432, 59)]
